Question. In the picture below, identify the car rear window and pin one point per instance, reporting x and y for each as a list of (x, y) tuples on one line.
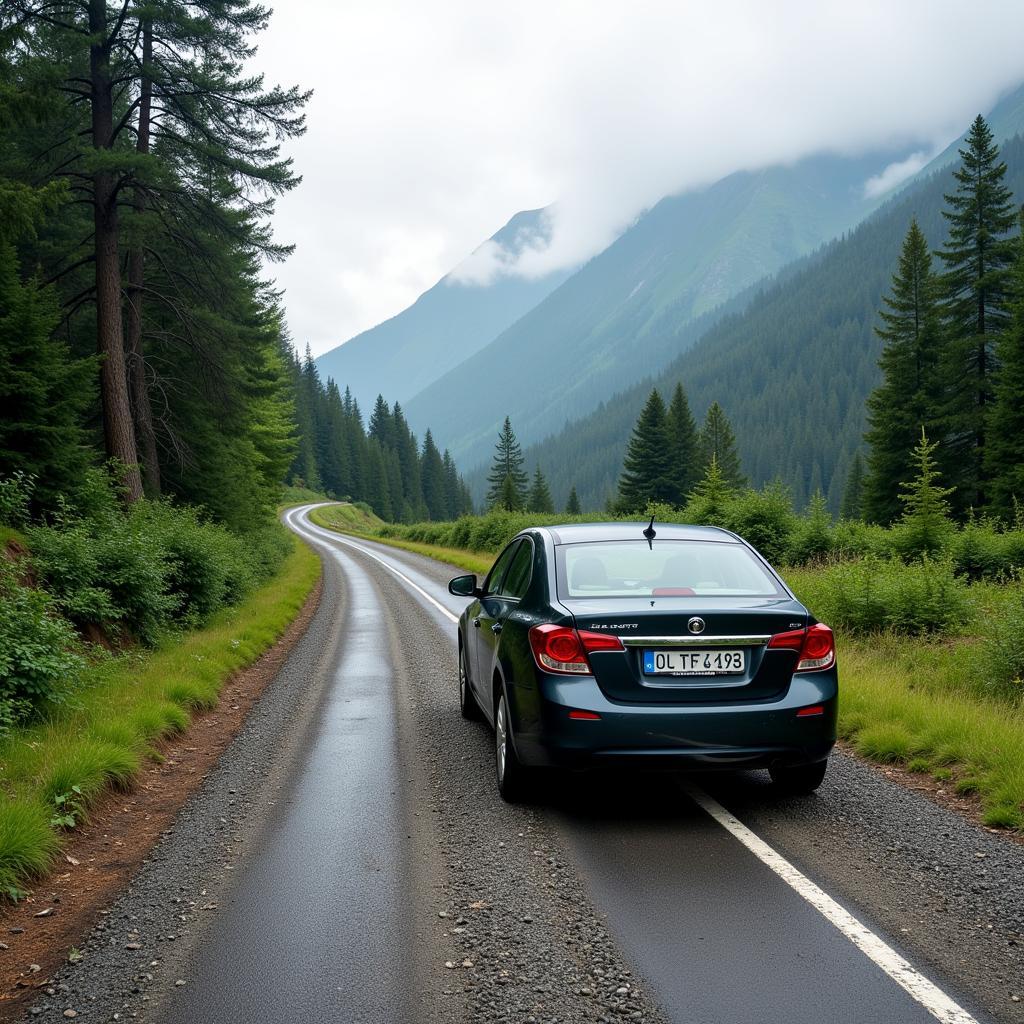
[(672, 568)]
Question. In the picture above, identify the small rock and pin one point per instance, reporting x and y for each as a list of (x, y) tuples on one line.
[(526, 919), (179, 982), (467, 962), (34, 968), (450, 964), (133, 945), (16, 931), (44, 913), (70, 1013), (3, 945)]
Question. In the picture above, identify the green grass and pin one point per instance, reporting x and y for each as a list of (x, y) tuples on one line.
[(351, 519), (99, 741)]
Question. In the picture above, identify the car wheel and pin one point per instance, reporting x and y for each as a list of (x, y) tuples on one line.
[(512, 775), (467, 702), (798, 779)]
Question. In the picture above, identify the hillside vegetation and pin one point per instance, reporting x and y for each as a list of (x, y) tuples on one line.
[(648, 296), (792, 371)]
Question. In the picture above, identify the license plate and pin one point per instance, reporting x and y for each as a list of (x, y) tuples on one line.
[(703, 662)]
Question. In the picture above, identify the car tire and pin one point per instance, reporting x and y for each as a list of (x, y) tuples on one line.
[(512, 775), (467, 701), (798, 779)]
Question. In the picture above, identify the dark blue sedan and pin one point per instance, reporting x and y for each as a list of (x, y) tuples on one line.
[(678, 646)]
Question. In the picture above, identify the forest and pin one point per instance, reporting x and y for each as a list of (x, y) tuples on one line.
[(153, 408)]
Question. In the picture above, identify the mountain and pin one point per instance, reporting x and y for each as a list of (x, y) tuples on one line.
[(792, 371), (441, 328), (630, 310)]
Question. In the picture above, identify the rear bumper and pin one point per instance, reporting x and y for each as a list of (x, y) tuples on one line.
[(696, 737)]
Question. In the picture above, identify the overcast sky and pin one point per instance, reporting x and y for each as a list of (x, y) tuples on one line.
[(434, 121)]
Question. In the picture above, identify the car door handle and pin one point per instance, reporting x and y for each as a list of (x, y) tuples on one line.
[(496, 628), (476, 622)]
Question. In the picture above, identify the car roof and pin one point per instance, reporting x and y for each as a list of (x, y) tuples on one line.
[(581, 533)]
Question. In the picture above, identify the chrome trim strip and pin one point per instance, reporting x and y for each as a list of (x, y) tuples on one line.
[(694, 641)]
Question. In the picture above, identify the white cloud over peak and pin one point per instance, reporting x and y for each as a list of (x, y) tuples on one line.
[(432, 124)]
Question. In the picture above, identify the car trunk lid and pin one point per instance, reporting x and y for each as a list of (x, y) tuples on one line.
[(689, 670)]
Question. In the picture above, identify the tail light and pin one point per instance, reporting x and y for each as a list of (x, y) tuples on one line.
[(561, 649), (816, 647)]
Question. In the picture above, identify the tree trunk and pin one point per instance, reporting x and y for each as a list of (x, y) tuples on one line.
[(138, 390), (118, 429)]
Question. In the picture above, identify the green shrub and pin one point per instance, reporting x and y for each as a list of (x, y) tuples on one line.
[(15, 499), (206, 566), (812, 537), (872, 594), (38, 663), (1004, 647), (764, 519)]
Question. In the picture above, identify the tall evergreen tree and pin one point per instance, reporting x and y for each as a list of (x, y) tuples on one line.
[(909, 396), (572, 506), (432, 472), (1004, 451), (539, 498), (718, 444), (684, 445), (852, 505), (506, 481), (43, 390), (647, 468), (977, 259)]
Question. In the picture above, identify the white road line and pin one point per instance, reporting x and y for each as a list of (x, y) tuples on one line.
[(338, 539), (932, 998)]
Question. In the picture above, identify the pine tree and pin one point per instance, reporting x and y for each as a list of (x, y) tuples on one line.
[(506, 480), (852, 504), (709, 498), (43, 391), (647, 469), (1004, 452), (684, 445), (572, 506), (909, 396), (432, 474), (926, 524), (977, 257), (718, 443), (539, 498), (381, 425)]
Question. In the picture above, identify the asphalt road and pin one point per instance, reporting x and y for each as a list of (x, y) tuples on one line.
[(350, 860)]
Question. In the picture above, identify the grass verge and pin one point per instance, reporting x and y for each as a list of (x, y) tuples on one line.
[(350, 519), (53, 771), (920, 702)]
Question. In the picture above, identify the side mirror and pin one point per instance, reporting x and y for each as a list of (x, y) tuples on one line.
[(464, 586)]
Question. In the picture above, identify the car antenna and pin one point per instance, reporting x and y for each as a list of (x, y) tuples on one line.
[(650, 533)]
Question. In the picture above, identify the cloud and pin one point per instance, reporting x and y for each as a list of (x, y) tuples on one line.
[(432, 124), (895, 174)]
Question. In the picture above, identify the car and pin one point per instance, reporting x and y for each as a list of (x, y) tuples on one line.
[(608, 644)]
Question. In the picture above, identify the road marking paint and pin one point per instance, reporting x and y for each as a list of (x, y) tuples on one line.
[(338, 539), (932, 998)]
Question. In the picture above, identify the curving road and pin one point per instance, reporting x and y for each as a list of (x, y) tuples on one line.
[(351, 861)]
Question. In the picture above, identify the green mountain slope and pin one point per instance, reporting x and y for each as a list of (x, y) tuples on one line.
[(622, 315), (441, 328), (792, 371)]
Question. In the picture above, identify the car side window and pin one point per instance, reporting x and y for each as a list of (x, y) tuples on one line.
[(517, 579), (494, 577)]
